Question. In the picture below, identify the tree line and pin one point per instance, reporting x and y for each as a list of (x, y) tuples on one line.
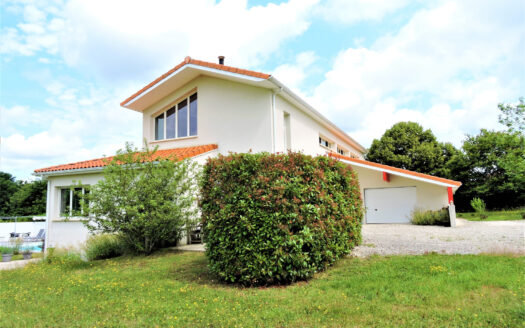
[(490, 164), (21, 198)]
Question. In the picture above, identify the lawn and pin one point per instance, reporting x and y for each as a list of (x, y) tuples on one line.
[(175, 289), (494, 215)]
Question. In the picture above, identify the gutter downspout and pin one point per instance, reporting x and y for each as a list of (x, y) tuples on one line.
[(48, 215), (273, 121), (274, 92)]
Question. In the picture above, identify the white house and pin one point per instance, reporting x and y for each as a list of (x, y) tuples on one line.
[(199, 109)]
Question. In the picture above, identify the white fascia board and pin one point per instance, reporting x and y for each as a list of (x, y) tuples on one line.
[(68, 172), (197, 67), (408, 176), (315, 114)]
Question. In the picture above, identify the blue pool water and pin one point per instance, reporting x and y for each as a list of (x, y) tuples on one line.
[(34, 247)]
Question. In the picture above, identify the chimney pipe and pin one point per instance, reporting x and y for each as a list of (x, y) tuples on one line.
[(221, 60)]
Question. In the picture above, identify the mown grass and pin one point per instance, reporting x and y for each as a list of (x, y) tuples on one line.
[(175, 289), (494, 215)]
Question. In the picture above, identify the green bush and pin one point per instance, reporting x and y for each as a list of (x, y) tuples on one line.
[(104, 246), (8, 250), (440, 217), (277, 218), (478, 205), (146, 199)]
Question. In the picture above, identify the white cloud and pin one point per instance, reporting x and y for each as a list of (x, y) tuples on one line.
[(447, 68), (293, 75), (122, 40), (352, 11)]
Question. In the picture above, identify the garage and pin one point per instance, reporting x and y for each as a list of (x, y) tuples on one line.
[(390, 205)]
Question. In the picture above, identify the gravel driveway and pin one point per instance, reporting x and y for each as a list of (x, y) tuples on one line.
[(469, 237)]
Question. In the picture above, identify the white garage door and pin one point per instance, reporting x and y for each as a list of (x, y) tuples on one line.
[(390, 205)]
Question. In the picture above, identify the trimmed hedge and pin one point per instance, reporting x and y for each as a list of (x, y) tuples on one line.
[(272, 219)]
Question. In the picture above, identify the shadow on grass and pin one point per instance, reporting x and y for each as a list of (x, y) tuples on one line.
[(191, 267)]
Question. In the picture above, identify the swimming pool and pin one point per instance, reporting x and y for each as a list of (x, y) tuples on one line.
[(33, 246)]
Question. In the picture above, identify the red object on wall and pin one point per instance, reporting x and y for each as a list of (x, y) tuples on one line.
[(386, 177), (450, 195)]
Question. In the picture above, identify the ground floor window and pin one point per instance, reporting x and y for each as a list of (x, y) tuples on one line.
[(70, 200)]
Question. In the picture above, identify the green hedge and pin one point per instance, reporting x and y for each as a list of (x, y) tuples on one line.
[(271, 219)]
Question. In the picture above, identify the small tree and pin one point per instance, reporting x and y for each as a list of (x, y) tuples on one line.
[(146, 199), (479, 206)]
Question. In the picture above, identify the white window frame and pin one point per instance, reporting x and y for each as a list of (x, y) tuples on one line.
[(71, 193), (342, 150), (176, 107), (327, 140)]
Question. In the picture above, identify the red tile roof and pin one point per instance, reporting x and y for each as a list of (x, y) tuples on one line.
[(189, 60), (395, 169), (179, 153)]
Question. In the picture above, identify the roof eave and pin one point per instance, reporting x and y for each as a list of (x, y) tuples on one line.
[(317, 115), (88, 170), (405, 175), (128, 103)]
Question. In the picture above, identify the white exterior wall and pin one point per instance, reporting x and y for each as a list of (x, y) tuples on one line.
[(305, 132), (235, 116), (61, 232), (72, 233), (429, 196)]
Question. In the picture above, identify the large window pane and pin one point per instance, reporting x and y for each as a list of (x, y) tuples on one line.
[(64, 201), (159, 127), (170, 123), (77, 194), (182, 119), (193, 115)]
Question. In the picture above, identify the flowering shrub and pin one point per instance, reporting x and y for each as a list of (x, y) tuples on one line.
[(271, 218)]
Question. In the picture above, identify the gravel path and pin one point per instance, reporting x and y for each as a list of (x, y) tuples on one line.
[(469, 237)]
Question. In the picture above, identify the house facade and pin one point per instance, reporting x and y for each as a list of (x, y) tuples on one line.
[(200, 109)]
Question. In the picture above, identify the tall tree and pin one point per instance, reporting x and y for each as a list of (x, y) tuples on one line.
[(491, 167), (30, 198), (8, 187), (513, 116), (408, 146)]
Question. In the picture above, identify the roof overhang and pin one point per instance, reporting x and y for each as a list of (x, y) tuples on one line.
[(179, 78), (191, 69), (90, 170), (408, 174)]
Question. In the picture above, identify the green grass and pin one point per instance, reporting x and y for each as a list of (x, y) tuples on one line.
[(175, 289), (494, 215)]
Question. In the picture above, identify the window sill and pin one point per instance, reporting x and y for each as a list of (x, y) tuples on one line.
[(70, 219), (327, 148), (173, 139)]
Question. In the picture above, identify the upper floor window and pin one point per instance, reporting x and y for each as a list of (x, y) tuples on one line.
[(179, 121), (325, 143), (341, 151)]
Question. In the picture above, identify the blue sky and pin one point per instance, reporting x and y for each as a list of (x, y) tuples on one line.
[(365, 64)]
